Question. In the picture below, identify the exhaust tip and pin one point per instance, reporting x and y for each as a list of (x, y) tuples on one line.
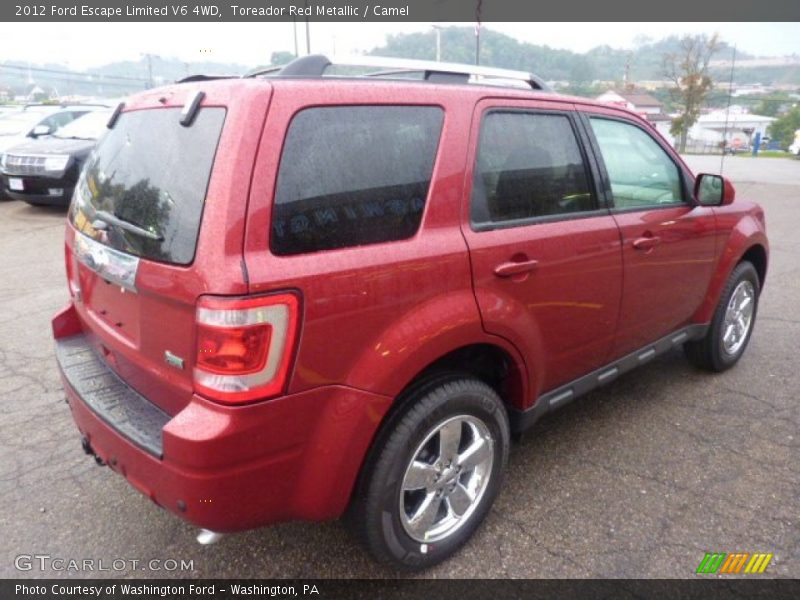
[(206, 537)]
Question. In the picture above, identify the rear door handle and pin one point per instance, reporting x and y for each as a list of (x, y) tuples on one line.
[(508, 269), (646, 243)]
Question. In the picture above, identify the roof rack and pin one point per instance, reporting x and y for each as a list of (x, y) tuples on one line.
[(202, 77), (264, 71), (315, 65)]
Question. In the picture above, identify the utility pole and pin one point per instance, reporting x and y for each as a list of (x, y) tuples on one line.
[(438, 30), (294, 27), (478, 7), (308, 30), (149, 58), (626, 78), (478, 43), (727, 114)]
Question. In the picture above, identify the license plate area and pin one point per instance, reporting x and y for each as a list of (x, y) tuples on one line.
[(15, 184)]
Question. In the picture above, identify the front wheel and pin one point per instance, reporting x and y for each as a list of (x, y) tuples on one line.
[(435, 473), (732, 325)]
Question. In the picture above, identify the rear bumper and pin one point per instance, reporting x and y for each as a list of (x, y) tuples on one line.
[(223, 468)]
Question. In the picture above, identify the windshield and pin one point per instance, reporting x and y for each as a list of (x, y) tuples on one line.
[(20, 123), (151, 173), (88, 127)]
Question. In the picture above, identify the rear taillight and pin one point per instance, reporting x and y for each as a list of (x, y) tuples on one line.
[(244, 346)]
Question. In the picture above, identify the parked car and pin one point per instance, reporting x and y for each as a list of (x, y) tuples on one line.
[(302, 297), (44, 170), (34, 121)]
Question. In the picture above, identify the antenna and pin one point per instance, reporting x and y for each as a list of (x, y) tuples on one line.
[(727, 114)]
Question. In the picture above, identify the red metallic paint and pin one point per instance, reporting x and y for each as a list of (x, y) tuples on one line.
[(561, 316), (138, 337), (373, 317), (684, 257), (239, 467), (740, 227)]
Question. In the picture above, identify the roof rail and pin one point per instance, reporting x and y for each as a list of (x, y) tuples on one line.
[(264, 71), (201, 77), (315, 65)]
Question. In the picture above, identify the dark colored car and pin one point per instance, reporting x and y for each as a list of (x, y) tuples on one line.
[(44, 170), (302, 297)]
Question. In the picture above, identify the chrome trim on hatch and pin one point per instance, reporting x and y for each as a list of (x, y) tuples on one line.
[(110, 264)]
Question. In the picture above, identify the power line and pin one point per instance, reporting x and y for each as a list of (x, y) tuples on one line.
[(71, 73), (118, 84)]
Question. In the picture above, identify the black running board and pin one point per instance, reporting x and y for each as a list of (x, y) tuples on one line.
[(563, 395)]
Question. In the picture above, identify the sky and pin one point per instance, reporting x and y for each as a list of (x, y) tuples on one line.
[(84, 45)]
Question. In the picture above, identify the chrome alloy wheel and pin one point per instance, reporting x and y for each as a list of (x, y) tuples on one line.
[(738, 317), (446, 478)]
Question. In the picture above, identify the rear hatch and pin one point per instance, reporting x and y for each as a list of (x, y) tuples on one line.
[(156, 221)]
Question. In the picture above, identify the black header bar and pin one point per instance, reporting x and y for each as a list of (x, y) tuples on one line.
[(399, 10)]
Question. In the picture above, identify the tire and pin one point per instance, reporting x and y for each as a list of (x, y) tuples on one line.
[(391, 492), (716, 351)]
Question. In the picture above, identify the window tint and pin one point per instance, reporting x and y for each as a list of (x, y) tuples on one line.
[(640, 171), (528, 165), (353, 175), (151, 172), (59, 120)]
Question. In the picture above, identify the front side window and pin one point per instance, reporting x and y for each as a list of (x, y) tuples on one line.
[(528, 165), (353, 175), (641, 173)]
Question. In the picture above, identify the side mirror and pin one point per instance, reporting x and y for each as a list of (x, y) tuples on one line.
[(713, 190), (41, 130)]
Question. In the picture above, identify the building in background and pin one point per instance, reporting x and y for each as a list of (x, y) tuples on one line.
[(639, 102), (643, 104), (736, 127)]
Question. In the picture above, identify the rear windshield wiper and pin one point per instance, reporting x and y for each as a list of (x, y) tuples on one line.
[(107, 217)]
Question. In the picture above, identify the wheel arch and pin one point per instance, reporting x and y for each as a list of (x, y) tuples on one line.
[(757, 256), (492, 361), (747, 241)]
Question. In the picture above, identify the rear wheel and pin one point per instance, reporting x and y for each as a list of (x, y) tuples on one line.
[(434, 473), (730, 330)]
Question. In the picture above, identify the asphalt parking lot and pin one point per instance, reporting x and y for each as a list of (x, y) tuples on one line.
[(639, 479)]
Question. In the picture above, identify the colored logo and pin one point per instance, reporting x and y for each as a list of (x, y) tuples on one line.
[(733, 564)]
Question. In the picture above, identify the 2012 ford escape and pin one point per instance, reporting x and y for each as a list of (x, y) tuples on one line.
[(296, 296)]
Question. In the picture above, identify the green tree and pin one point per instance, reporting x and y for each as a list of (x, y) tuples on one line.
[(784, 128), (687, 69), (581, 72), (281, 58), (772, 105)]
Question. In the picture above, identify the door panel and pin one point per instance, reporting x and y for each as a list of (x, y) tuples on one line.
[(668, 243), (562, 312), (546, 259), (664, 284)]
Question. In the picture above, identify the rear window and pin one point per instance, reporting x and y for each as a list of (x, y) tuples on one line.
[(353, 175), (151, 172)]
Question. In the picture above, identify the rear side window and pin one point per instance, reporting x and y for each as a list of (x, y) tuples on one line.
[(528, 165), (353, 175), (151, 172)]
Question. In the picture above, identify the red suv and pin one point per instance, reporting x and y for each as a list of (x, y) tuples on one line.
[(300, 297)]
